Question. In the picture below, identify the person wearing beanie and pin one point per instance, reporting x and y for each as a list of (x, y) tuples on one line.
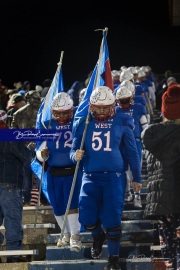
[(162, 145), (15, 102), (171, 103), (12, 156)]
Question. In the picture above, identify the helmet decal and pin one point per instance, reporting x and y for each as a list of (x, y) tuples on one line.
[(102, 95), (124, 97), (61, 101), (102, 102), (62, 108)]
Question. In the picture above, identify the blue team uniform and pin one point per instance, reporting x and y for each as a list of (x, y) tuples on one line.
[(104, 182), (137, 110), (58, 187), (138, 98)]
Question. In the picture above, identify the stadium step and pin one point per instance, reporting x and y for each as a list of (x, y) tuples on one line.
[(139, 242), (127, 249), (83, 264), (29, 252), (34, 226)]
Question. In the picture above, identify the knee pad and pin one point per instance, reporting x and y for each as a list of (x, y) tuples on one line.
[(114, 234), (92, 227)]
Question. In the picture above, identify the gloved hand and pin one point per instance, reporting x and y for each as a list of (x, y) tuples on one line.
[(45, 153), (136, 186)]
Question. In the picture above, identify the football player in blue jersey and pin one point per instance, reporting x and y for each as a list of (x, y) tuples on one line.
[(103, 187), (126, 104), (60, 171)]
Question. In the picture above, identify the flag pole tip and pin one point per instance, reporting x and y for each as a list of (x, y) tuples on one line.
[(98, 29), (61, 57)]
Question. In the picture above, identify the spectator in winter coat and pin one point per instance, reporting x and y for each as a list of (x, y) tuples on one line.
[(25, 117), (162, 145), (12, 157)]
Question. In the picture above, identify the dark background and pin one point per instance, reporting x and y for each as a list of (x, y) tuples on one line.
[(34, 32)]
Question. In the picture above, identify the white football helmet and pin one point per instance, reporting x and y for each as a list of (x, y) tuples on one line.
[(62, 108), (132, 70), (130, 85), (144, 68), (123, 92), (102, 95), (141, 74), (115, 73), (102, 103), (124, 97), (122, 68), (126, 75), (149, 68)]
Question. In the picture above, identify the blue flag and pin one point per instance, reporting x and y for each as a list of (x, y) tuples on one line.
[(43, 121), (101, 76), (44, 114), (83, 107)]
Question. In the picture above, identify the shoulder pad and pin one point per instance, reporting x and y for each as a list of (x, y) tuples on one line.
[(127, 120)]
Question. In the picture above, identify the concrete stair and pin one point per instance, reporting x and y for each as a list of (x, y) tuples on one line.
[(126, 264), (138, 236), (34, 246), (139, 241)]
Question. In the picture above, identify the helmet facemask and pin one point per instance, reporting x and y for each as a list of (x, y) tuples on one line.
[(102, 112), (102, 103), (62, 108), (63, 116)]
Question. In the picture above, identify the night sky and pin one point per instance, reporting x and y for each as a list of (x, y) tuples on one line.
[(34, 32)]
